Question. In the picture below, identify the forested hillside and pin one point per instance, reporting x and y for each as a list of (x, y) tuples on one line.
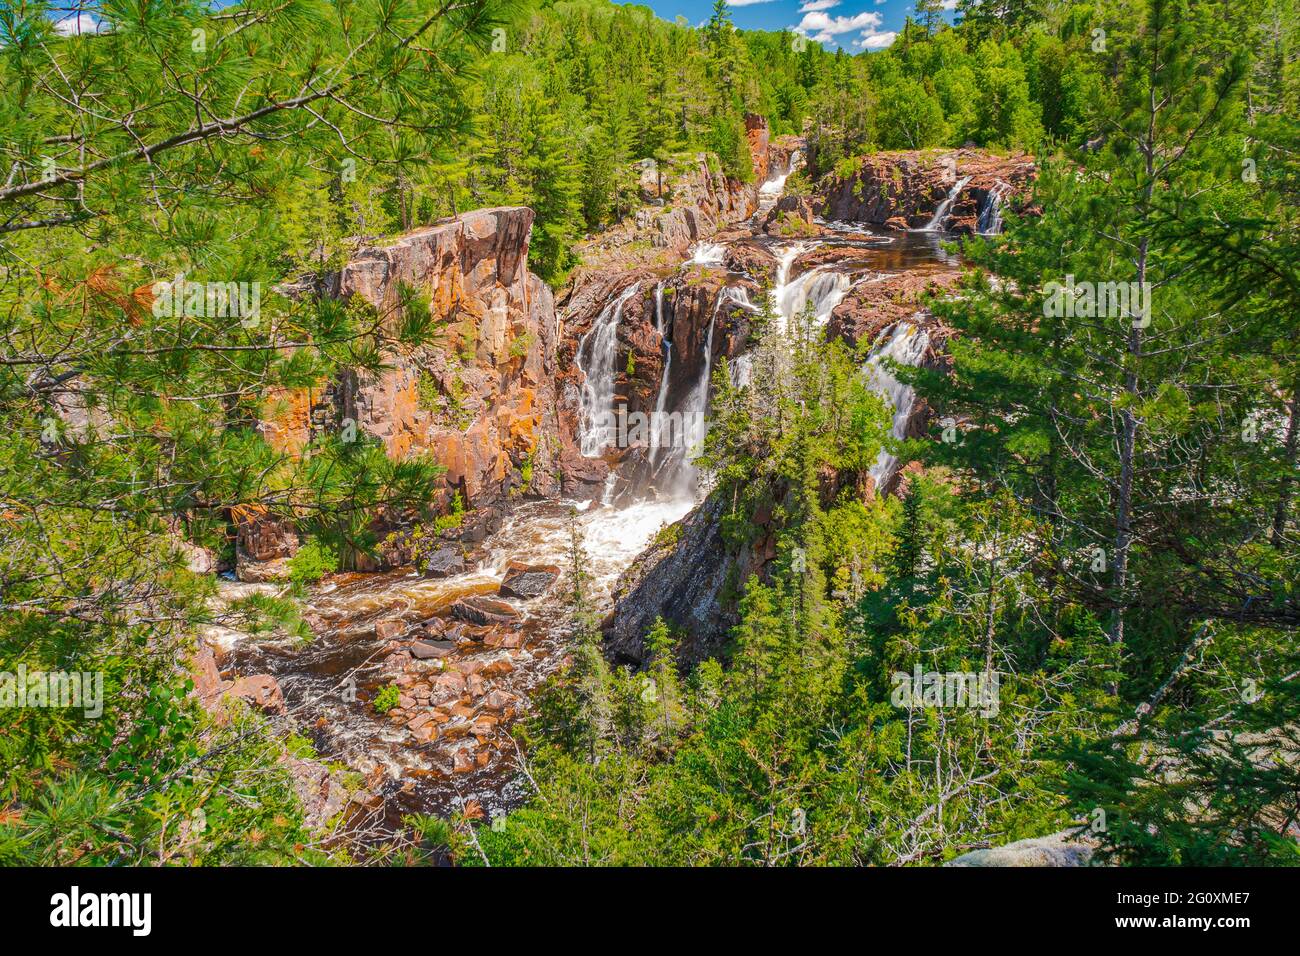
[(1057, 452)]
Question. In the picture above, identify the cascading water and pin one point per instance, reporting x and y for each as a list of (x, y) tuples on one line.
[(936, 221), (596, 354), (683, 431), (770, 192), (990, 221), (904, 343), (661, 403), (742, 371), (820, 290), (707, 254)]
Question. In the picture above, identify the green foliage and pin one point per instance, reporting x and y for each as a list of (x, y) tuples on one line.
[(313, 561), (386, 699)]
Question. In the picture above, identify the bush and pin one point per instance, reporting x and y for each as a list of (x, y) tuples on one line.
[(313, 561), (387, 699)]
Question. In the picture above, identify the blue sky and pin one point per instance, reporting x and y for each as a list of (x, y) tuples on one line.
[(855, 25)]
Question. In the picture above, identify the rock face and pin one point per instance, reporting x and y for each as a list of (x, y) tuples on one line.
[(262, 545), (684, 582), (480, 402), (902, 190), (688, 301), (1058, 849)]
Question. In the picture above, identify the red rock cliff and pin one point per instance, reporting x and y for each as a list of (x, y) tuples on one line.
[(479, 400)]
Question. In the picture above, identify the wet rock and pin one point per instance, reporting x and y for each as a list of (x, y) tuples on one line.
[(497, 668), (444, 563), (498, 701), (275, 571), (528, 581), (432, 650), (480, 524), (260, 690), (389, 629), (903, 189), (450, 682), (484, 611)]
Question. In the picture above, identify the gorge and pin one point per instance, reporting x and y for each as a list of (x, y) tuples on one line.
[(530, 416)]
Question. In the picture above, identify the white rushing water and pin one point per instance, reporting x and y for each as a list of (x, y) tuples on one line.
[(661, 403), (707, 254), (820, 290), (904, 343), (770, 192), (990, 221), (596, 354), (936, 221)]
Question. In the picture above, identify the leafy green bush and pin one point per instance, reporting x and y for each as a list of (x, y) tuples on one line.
[(387, 699), (313, 561)]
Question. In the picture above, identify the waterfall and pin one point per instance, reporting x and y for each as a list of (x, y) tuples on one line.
[(707, 254), (904, 343), (742, 370), (596, 354), (771, 190), (936, 222), (683, 430), (990, 221), (661, 403), (822, 289), (818, 289)]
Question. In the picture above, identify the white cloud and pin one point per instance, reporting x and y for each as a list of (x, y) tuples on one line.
[(876, 41), (948, 4), (77, 23), (825, 28), (745, 3), (810, 5)]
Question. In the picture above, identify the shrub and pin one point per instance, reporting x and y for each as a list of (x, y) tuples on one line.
[(387, 699), (313, 561)]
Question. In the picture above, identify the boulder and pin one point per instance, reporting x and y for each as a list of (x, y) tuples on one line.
[(484, 611), (528, 581), (262, 691), (1058, 849), (390, 628), (432, 650), (444, 563)]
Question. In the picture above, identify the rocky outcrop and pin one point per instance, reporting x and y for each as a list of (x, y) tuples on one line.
[(792, 216), (685, 579), (1059, 849), (872, 306), (263, 545), (903, 190), (479, 401)]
